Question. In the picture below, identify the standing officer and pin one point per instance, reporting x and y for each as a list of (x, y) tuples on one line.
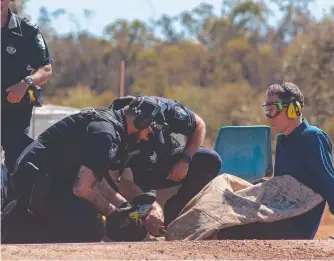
[(25, 62), (161, 163), (62, 180)]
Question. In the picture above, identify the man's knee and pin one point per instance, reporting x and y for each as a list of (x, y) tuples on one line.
[(208, 161), (31, 185)]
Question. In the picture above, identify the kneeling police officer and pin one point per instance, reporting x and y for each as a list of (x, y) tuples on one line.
[(164, 161), (62, 179)]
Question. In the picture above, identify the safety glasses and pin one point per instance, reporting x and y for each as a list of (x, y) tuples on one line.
[(272, 109)]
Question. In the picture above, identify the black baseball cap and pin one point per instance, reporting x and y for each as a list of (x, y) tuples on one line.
[(152, 109)]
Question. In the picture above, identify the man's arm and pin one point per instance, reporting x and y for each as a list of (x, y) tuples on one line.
[(184, 121), (41, 59), (129, 189), (100, 147), (196, 138), (42, 74), (126, 185), (40, 62), (155, 220), (321, 163), (17, 91), (99, 193)]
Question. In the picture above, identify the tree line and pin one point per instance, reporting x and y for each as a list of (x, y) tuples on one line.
[(217, 65)]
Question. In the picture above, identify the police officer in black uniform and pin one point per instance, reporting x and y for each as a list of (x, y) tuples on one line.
[(25, 62), (62, 179), (161, 163)]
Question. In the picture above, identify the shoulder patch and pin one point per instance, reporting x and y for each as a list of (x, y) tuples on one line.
[(40, 41), (163, 106), (180, 113), (113, 150)]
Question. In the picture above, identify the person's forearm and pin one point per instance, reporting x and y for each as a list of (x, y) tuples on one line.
[(109, 193), (128, 188), (87, 187), (42, 75), (134, 191), (196, 139), (126, 185)]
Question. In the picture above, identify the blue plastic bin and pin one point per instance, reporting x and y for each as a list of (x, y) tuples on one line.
[(245, 151)]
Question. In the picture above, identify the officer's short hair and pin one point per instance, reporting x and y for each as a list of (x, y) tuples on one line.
[(279, 92)]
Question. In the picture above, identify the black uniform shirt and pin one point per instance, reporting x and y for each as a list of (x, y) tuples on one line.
[(73, 142), (153, 157), (180, 120), (23, 49)]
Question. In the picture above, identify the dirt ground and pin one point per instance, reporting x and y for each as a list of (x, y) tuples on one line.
[(250, 250), (265, 250), (321, 249)]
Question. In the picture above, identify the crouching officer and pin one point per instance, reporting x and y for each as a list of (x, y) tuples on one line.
[(62, 181), (163, 162)]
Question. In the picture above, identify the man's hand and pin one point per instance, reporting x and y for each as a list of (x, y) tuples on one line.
[(17, 91), (179, 171), (155, 220)]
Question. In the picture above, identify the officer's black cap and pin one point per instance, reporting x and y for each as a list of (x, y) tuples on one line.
[(147, 105)]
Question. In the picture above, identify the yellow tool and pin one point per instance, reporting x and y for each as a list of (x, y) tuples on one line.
[(103, 219), (35, 96)]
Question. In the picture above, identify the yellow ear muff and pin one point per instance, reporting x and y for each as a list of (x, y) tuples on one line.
[(293, 109)]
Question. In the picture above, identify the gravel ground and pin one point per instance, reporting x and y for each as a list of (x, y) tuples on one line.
[(163, 250)]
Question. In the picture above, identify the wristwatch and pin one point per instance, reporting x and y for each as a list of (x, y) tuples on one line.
[(29, 80), (186, 158)]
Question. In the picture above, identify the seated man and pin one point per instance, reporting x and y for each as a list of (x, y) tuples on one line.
[(163, 162), (304, 152), (62, 182)]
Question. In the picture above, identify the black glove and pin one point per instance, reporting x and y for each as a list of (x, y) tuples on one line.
[(125, 225), (145, 198)]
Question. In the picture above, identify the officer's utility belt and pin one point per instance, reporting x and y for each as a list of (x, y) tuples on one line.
[(35, 96)]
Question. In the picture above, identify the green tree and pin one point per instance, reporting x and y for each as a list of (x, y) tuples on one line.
[(309, 63)]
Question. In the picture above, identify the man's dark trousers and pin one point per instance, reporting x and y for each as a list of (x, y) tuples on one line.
[(204, 167)]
